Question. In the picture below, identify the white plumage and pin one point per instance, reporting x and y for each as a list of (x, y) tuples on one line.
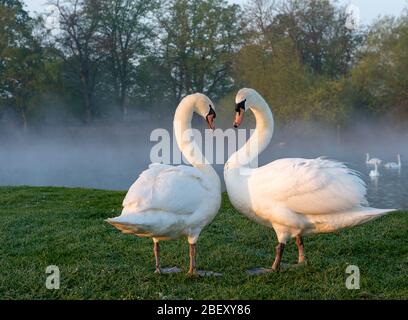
[(295, 197), (372, 161), (393, 165), (168, 202), (302, 184), (375, 173)]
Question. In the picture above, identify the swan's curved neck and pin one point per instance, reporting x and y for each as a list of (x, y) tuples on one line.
[(185, 139), (259, 139)]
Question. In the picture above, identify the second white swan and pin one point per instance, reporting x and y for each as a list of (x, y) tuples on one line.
[(375, 173), (393, 165), (168, 202), (372, 161), (295, 197)]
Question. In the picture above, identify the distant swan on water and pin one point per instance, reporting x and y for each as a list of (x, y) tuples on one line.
[(375, 173), (373, 161), (393, 165)]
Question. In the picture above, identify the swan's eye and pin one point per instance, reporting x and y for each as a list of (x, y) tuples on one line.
[(240, 106)]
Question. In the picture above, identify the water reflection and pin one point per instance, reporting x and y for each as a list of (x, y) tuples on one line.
[(389, 190)]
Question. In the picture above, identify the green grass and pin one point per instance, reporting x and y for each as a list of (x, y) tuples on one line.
[(65, 227)]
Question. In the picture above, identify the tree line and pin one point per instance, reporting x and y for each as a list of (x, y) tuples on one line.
[(96, 59)]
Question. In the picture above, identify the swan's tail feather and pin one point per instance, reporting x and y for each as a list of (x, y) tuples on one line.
[(372, 213), (128, 228), (359, 216)]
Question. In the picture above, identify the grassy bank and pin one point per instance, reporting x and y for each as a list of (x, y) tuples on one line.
[(65, 227)]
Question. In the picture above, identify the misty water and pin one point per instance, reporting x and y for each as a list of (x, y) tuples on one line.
[(107, 157)]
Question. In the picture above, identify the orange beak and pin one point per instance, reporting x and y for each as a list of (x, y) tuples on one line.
[(210, 121), (239, 116)]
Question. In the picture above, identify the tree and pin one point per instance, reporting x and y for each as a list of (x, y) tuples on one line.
[(297, 55), (152, 87), (379, 81), (15, 24), (127, 31), (279, 76), (320, 32), (79, 22), (21, 59), (199, 39), (317, 28)]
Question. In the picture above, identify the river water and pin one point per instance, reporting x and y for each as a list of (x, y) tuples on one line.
[(112, 158)]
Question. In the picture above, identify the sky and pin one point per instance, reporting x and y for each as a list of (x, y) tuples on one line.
[(369, 9)]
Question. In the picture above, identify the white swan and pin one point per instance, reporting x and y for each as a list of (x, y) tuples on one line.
[(295, 197), (373, 161), (393, 165), (375, 173), (167, 202)]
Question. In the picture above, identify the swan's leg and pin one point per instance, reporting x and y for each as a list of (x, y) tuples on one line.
[(157, 257), (278, 258), (192, 269), (276, 264), (301, 249), (156, 250)]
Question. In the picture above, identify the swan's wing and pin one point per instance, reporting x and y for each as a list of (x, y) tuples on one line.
[(179, 190), (317, 186)]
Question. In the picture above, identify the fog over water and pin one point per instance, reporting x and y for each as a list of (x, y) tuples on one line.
[(112, 157)]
